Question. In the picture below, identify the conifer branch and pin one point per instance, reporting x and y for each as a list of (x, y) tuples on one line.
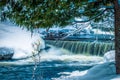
[(94, 17)]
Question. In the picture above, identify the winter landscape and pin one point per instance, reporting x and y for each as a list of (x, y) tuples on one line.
[(59, 40)]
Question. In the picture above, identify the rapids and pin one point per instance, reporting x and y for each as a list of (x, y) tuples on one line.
[(49, 64)]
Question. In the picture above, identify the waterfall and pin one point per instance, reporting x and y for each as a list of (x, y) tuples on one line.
[(52, 60), (81, 47)]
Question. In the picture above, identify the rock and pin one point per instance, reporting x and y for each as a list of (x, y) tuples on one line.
[(6, 53), (47, 47)]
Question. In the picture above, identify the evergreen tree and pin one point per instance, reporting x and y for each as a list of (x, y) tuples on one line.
[(47, 13)]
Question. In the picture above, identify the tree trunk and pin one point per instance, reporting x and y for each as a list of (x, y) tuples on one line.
[(117, 35)]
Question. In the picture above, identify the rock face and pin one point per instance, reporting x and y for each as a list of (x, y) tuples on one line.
[(6, 53)]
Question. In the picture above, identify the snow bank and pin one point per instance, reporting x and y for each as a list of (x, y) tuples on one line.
[(109, 56), (19, 39), (105, 71)]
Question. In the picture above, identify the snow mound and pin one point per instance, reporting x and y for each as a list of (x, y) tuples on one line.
[(105, 71), (109, 56), (19, 39)]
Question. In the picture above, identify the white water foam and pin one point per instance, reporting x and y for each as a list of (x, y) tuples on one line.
[(104, 71), (63, 55), (21, 41)]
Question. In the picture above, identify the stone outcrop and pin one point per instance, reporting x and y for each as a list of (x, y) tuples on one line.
[(6, 53)]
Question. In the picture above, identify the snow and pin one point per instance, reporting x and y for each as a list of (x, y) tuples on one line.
[(103, 71), (98, 31), (19, 39), (109, 56)]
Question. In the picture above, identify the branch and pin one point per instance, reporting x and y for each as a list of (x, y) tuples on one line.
[(91, 18), (75, 31)]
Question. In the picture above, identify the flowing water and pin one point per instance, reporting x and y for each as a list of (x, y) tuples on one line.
[(52, 65), (49, 64), (82, 47)]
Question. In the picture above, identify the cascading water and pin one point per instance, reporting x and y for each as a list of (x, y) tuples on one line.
[(81, 47), (53, 62)]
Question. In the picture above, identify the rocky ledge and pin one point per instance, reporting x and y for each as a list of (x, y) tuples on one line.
[(6, 53)]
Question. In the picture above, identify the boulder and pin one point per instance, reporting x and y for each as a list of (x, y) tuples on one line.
[(47, 47), (6, 53)]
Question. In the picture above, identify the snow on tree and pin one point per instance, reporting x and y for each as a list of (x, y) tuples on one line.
[(47, 13)]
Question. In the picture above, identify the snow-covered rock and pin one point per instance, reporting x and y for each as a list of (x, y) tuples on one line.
[(109, 56), (20, 40)]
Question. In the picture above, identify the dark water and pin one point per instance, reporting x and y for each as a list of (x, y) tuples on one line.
[(44, 71)]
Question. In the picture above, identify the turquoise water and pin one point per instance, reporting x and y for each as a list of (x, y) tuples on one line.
[(46, 70), (53, 62)]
